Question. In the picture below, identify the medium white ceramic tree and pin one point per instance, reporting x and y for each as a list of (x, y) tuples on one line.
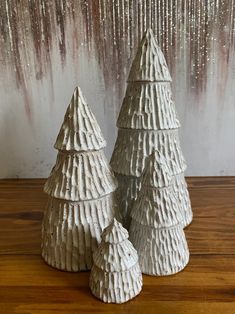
[(115, 275), (156, 229), (147, 122), (80, 188)]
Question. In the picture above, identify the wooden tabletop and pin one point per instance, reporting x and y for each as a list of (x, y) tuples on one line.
[(207, 285)]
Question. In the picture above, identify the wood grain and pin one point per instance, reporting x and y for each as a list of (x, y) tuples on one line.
[(207, 285)]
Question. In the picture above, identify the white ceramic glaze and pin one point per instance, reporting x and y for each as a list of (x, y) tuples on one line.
[(147, 122), (156, 229), (80, 187), (115, 276)]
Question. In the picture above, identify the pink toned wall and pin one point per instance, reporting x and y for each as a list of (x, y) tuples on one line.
[(48, 47)]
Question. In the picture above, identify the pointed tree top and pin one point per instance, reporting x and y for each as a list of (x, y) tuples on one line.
[(115, 253), (149, 63), (114, 233), (157, 208), (80, 130), (157, 173)]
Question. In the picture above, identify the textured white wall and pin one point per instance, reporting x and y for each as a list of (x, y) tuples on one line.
[(207, 133), (35, 92)]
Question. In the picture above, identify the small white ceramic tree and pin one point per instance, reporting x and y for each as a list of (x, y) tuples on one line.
[(115, 275), (147, 121), (80, 188), (156, 229)]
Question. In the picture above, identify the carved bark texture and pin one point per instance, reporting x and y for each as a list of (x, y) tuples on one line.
[(80, 176), (134, 146), (80, 130), (71, 231), (161, 251), (148, 107), (149, 63), (129, 187), (157, 208)]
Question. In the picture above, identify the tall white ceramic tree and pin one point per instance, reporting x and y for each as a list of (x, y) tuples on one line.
[(115, 275), (80, 188), (147, 121), (156, 229)]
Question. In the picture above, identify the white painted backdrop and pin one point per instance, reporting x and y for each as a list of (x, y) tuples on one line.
[(27, 135)]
